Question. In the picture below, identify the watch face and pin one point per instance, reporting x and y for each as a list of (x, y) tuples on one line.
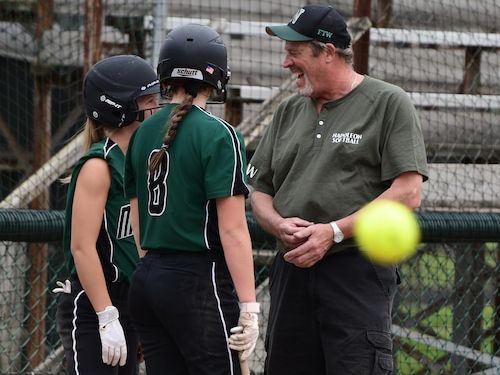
[(338, 236)]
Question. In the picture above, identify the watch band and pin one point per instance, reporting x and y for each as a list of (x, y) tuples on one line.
[(338, 236)]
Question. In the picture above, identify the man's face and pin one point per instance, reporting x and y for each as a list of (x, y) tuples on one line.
[(304, 66)]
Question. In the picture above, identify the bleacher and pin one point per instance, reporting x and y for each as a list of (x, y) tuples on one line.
[(458, 100)]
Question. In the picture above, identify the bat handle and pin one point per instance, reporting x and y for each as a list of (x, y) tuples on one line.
[(245, 370)]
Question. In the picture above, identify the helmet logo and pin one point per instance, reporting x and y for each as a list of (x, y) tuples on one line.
[(121, 120), (187, 73), (219, 84), (95, 114), (109, 102), (155, 82)]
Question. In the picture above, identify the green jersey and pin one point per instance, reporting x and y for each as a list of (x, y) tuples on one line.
[(205, 161), (115, 243), (325, 166)]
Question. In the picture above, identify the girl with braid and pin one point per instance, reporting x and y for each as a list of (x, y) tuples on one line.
[(185, 177)]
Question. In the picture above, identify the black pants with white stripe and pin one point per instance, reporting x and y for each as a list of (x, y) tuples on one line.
[(78, 328), (183, 305)]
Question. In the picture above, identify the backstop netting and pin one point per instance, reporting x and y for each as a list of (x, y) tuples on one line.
[(443, 53)]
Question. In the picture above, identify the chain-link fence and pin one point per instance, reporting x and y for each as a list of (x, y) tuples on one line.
[(27, 307), (446, 311)]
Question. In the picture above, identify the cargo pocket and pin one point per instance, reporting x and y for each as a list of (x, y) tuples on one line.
[(383, 364), (382, 342)]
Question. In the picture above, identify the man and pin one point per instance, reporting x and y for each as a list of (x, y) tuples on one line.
[(343, 141)]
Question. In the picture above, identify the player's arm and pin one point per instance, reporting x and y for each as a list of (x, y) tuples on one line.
[(134, 221), (235, 238), (87, 214), (272, 222), (88, 209)]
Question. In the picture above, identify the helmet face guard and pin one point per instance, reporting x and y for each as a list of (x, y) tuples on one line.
[(193, 55), (112, 86)]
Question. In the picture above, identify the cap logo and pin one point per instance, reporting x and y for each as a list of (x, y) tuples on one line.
[(187, 73), (325, 33), (297, 15)]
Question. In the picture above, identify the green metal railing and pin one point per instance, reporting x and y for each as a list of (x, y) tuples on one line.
[(37, 225), (446, 311)]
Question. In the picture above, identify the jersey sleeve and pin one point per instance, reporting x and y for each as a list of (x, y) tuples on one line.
[(403, 148), (225, 164), (129, 176)]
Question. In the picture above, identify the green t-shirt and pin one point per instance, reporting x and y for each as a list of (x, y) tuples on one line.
[(323, 167), (205, 161), (115, 243)]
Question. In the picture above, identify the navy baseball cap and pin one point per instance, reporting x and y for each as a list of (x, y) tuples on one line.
[(314, 22)]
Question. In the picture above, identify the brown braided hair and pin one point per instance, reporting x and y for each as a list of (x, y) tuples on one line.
[(172, 125)]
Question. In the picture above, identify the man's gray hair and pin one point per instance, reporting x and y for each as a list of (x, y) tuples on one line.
[(346, 53)]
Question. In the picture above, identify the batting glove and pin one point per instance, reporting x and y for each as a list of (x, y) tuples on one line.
[(114, 347), (63, 287), (244, 336)]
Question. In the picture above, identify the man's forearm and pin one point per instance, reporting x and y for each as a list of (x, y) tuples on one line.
[(265, 214)]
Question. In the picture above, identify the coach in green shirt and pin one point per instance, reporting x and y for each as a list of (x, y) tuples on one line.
[(343, 141)]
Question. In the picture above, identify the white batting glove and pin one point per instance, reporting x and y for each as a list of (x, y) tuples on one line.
[(63, 287), (114, 347), (244, 336)]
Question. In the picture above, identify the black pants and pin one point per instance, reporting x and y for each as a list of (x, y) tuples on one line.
[(331, 319), (183, 305), (78, 327)]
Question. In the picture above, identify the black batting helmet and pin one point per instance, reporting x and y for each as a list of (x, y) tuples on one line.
[(112, 85), (197, 54)]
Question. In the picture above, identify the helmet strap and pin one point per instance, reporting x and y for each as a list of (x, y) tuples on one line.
[(140, 116)]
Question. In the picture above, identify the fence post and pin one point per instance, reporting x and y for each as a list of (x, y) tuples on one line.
[(469, 304), (362, 8), (12, 290)]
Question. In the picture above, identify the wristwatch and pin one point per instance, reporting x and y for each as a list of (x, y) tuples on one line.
[(338, 236)]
